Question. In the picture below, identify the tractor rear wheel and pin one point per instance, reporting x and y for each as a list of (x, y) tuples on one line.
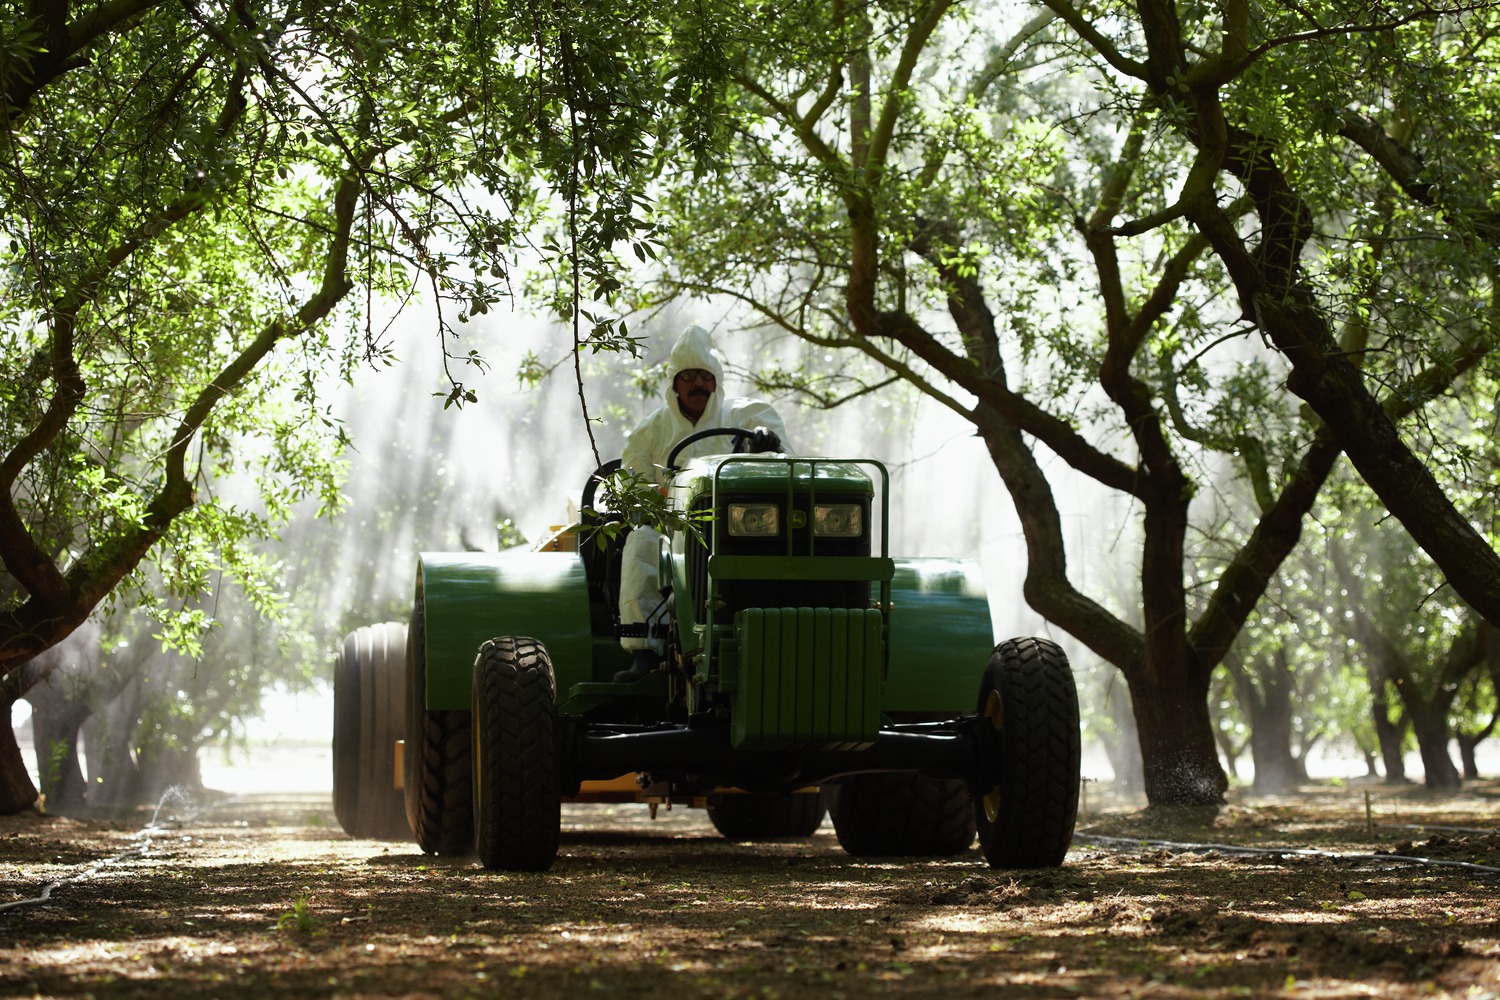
[(368, 704), (1026, 817), (902, 813), (438, 786), (517, 790), (762, 817)]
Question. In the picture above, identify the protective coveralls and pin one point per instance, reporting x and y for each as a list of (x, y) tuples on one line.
[(646, 452)]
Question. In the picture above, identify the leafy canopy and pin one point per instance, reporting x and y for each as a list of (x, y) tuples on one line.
[(201, 201)]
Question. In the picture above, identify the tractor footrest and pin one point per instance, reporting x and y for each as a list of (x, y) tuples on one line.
[(643, 631)]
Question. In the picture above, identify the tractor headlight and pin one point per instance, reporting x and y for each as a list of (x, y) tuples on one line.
[(754, 520), (838, 520)]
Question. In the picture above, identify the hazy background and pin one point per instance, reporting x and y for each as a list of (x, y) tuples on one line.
[(424, 478)]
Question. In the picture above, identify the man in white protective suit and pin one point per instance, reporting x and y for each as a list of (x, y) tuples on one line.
[(693, 402)]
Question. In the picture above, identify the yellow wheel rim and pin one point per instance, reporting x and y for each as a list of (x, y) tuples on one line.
[(994, 711)]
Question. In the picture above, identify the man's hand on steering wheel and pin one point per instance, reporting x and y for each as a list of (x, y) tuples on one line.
[(763, 440), (758, 440)]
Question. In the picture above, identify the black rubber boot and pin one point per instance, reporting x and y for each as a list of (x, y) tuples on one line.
[(645, 661)]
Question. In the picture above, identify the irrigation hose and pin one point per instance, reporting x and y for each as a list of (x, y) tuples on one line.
[(140, 850), (1172, 845)]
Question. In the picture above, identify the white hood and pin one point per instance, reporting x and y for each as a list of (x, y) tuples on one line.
[(694, 349)]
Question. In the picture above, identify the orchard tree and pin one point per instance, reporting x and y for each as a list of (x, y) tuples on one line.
[(1430, 657), (1026, 220), (1316, 113), (200, 201), (1421, 645), (1296, 678), (1479, 707)]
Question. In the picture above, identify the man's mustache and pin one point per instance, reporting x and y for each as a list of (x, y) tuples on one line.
[(699, 391)]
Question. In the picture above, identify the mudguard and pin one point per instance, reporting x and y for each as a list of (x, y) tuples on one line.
[(941, 634), (471, 597), (941, 637)]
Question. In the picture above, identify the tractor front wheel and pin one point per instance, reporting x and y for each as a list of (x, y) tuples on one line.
[(517, 799), (762, 817), (1026, 817), (368, 704)]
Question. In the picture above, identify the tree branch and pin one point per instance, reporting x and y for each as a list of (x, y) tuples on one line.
[(1085, 30), (1404, 167), (896, 92), (1002, 56), (49, 614), (63, 45)]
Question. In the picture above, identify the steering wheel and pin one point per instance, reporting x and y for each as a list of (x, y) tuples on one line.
[(740, 435)]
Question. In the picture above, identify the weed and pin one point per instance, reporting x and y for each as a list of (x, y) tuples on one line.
[(299, 918)]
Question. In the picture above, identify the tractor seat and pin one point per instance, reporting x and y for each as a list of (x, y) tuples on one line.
[(601, 565)]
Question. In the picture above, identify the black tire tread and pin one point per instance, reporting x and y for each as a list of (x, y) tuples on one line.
[(369, 701), (517, 790), (1040, 756)]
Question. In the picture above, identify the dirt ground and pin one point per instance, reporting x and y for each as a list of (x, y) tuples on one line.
[(250, 897)]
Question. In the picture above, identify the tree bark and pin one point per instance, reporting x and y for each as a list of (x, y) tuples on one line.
[(56, 720), (1179, 757), (1124, 752), (1468, 742), (58, 602), (1265, 696), (1430, 710), (165, 770), (1168, 659), (1429, 723), (1468, 745), (16, 790), (113, 770), (1276, 296), (1390, 735)]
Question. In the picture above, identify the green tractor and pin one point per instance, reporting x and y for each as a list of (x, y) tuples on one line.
[(807, 673)]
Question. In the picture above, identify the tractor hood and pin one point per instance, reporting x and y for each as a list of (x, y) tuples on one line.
[(770, 475)]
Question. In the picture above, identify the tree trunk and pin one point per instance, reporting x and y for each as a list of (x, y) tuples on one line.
[(1227, 752), (115, 780), (1124, 752), (1468, 743), (1466, 747), (1391, 735), (1277, 769), (16, 790), (1265, 697), (1430, 725), (1275, 294), (1180, 761), (55, 722), (1168, 689), (164, 770)]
